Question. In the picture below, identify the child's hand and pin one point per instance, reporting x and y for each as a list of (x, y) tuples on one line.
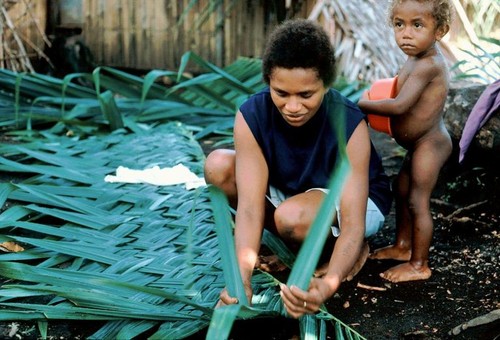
[(365, 95)]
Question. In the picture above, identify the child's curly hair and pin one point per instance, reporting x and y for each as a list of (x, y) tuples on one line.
[(441, 11), (300, 43)]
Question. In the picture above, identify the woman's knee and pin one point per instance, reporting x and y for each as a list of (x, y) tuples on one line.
[(219, 170), (218, 164), (291, 221)]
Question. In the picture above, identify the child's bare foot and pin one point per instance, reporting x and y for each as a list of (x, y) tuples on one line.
[(407, 272), (392, 252), (270, 264)]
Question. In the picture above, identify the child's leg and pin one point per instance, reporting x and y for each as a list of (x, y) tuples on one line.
[(428, 159), (401, 249)]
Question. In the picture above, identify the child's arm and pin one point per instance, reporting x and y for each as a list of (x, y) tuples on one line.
[(410, 92)]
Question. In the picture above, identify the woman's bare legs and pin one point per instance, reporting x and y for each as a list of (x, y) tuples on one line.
[(291, 221)]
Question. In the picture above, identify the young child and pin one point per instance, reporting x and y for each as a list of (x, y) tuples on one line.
[(416, 115)]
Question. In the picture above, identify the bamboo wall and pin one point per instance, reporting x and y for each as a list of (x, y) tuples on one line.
[(145, 34)]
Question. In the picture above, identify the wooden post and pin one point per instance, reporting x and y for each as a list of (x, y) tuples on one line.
[(219, 35)]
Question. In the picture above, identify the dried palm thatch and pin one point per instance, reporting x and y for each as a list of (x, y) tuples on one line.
[(17, 20), (364, 43), (485, 16)]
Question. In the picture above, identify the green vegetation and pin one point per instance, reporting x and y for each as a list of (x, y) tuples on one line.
[(142, 259), (482, 66)]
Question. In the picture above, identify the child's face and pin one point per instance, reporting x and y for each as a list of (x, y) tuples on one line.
[(415, 27), (297, 93)]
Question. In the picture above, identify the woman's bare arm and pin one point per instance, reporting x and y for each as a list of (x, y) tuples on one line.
[(251, 182)]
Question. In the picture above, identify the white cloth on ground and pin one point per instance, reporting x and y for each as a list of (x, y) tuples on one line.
[(179, 174)]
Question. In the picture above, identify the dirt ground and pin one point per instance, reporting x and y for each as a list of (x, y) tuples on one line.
[(464, 258)]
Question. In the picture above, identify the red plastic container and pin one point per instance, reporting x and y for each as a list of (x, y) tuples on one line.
[(382, 89)]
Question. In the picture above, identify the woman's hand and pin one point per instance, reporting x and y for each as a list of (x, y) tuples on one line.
[(298, 302), (226, 299)]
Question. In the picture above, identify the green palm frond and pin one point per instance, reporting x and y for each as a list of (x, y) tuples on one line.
[(310, 251), (91, 245), (135, 256), (482, 65), (206, 103), (118, 99), (225, 232)]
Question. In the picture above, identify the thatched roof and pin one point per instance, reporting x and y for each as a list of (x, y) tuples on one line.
[(364, 42)]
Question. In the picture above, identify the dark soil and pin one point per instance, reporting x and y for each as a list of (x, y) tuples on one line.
[(464, 258)]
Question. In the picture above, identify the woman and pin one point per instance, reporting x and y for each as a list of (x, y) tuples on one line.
[(285, 151)]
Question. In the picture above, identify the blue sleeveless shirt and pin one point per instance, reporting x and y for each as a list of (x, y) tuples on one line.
[(301, 158)]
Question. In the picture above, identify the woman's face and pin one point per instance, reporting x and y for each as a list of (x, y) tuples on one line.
[(297, 93)]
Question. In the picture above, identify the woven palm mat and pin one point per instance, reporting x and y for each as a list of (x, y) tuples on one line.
[(144, 257)]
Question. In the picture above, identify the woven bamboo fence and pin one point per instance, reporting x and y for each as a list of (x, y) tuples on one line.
[(155, 34), (145, 34)]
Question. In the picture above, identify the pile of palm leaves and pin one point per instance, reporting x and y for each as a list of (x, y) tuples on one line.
[(143, 259), (118, 99)]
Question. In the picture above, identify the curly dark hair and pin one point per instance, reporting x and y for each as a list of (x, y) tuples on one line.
[(441, 11), (300, 43)]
